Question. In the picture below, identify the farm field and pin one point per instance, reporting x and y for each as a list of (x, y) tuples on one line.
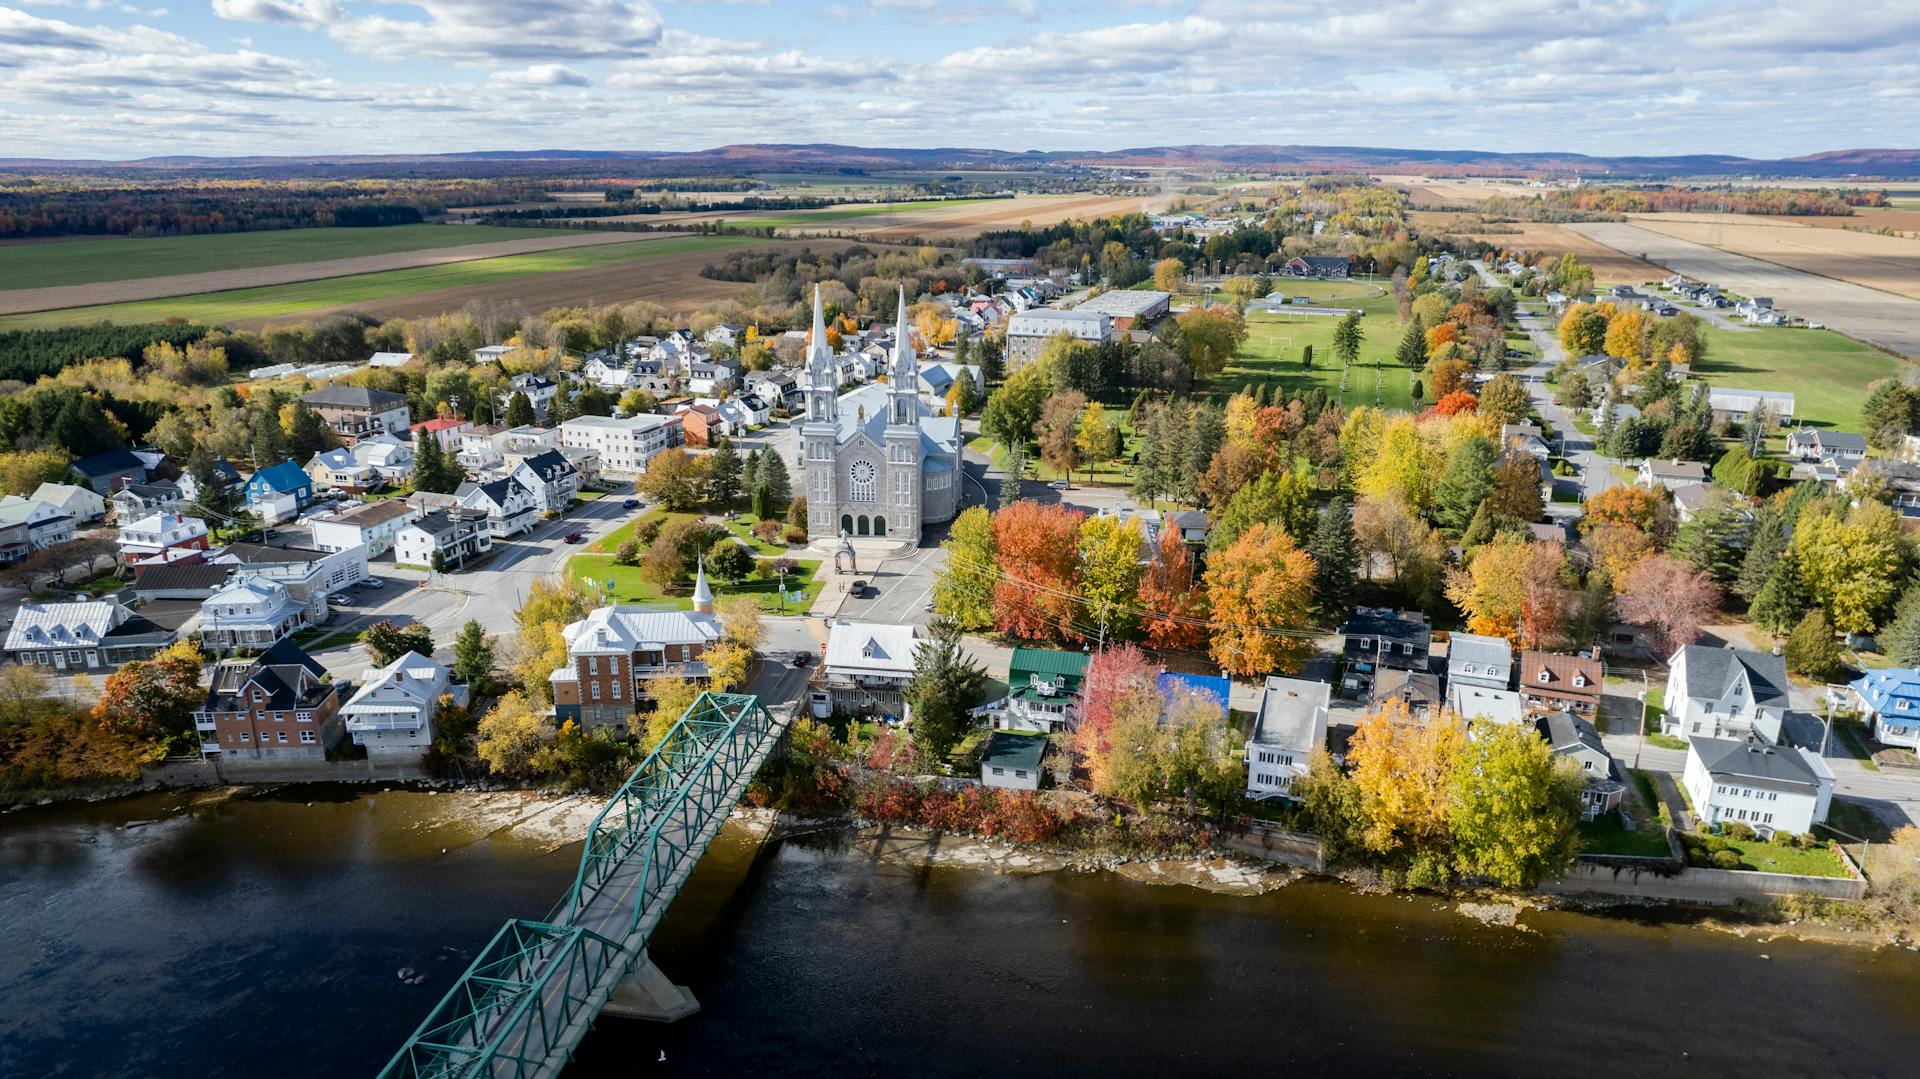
[(1274, 342), (1880, 318), (1827, 373), (1611, 266), (87, 261), (23, 300), (1887, 263), (664, 269), (932, 219), (1447, 191)]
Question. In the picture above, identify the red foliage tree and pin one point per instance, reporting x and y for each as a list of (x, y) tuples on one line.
[(1167, 590), (1456, 402), (1039, 549), (1669, 598), (1111, 674)]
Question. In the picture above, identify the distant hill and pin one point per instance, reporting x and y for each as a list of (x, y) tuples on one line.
[(827, 157)]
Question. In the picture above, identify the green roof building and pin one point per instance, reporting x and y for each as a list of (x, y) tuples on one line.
[(1013, 760), (1043, 690)]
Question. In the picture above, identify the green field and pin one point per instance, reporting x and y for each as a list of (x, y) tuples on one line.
[(274, 300), (86, 262), (1275, 341), (1827, 373), (624, 584), (805, 218)]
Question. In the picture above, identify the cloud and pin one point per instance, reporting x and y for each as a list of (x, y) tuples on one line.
[(491, 31), (540, 75), (303, 13), (780, 71)]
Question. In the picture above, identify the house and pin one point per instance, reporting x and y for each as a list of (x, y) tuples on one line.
[(1667, 475), (250, 612), (1012, 761), (866, 668), (372, 525), (356, 412), (83, 505), (1028, 331), (552, 479), (1898, 480), (709, 377), (1477, 702), (1736, 405), (1192, 525), (614, 650), (1043, 691), (1572, 738), (777, 388), (477, 452), (136, 500), (446, 430), (389, 457), (1526, 438), (1813, 444), (625, 445), (1889, 700), (161, 532), (1321, 266), (1553, 683), (1479, 660), (492, 353), (1716, 692), (16, 542), (337, 470), (1379, 638), (509, 504), (310, 575), (106, 473), (47, 525), (1420, 691), (1690, 499), (230, 477), (392, 714), (726, 334), (539, 389), (1770, 788), (278, 493), (444, 539), (97, 635), (276, 706), (1290, 725)]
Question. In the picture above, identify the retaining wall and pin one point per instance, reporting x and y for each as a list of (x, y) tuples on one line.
[(1700, 885), (1282, 847), (200, 773)]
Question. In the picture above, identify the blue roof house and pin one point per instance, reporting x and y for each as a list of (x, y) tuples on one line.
[(1889, 701), (276, 494), (1206, 685)]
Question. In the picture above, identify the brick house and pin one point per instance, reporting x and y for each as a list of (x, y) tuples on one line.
[(616, 648), (276, 706)]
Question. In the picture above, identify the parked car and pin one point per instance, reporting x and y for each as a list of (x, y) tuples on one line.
[(339, 599), (802, 658), (373, 582)]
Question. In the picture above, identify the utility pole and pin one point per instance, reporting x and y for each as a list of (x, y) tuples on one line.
[(1642, 744)]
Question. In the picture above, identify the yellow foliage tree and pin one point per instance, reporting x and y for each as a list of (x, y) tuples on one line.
[(1261, 589), (1404, 770)]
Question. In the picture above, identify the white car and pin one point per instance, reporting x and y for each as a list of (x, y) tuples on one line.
[(1061, 485)]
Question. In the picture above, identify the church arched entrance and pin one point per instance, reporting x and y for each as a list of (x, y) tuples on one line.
[(879, 526), (846, 524), (862, 522)]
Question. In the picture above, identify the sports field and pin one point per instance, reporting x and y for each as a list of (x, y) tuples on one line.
[(1275, 342), (618, 272), (84, 262)]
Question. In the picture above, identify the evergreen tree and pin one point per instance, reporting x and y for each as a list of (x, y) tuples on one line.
[(1753, 434), (1347, 337), (723, 477), (431, 471), (946, 683), (472, 654), (560, 408), (1766, 541), (1901, 641), (1334, 552), (1306, 357), (210, 490), (311, 434), (750, 470), (1811, 649), (1467, 482), (1604, 436), (1710, 543), (1783, 599), (1412, 352), (992, 366), (1480, 529), (1418, 392), (519, 410), (772, 474), (1592, 621), (269, 441), (763, 503), (1016, 468)]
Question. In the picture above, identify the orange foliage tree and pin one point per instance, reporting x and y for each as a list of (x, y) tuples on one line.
[(1038, 547), (1262, 583), (1511, 588), (1456, 402), (1166, 590)]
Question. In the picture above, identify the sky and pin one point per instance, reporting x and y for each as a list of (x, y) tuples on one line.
[(120, 79)]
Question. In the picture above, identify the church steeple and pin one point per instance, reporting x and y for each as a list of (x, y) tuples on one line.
[(904, 373), (702, 594), (821, 377)]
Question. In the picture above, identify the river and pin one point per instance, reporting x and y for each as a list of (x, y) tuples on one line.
[(151, 936)]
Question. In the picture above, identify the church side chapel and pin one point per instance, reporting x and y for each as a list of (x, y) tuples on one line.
[(879, 461)]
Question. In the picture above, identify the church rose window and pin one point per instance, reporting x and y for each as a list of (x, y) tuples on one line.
[(863, 488)]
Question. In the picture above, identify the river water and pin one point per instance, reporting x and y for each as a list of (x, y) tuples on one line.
[(264, 937)]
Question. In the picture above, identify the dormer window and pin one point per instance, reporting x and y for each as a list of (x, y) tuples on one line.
[(1545, 678), (1580, 680), (1468, 668)]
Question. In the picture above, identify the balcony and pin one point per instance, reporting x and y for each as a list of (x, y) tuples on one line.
[(201, 724), (210, 749)]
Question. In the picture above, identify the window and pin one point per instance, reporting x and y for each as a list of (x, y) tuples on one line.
[(282, 739), (1545, 678), (613, 664), (616, 691), (596, 690), (246, 736), (307, 738), (999, 771), (1406, 650), (279, 717), (593, 664), (1019, 773), (1580, 680), (1468, 668), (303, 717)]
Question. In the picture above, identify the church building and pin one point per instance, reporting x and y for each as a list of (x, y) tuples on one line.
[(878, 461)]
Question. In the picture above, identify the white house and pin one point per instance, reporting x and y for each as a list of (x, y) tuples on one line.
[(509, 505), (456, 535), (1769, 788), (1476, 702), (47, 524), (83, 504), (373, 525), (250, 612), (389, 457), (1720, 692), (626, 444), (160, 532), (1013, 761), (552, 479), (866, 669), (1292, 721), (540, 391), (392, 714), (87, 636), (1474, 659), (1656, 475), (310, 575)]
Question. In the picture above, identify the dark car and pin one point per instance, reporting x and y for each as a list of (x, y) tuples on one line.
[(801, 659), (630, 504), (576, 537)]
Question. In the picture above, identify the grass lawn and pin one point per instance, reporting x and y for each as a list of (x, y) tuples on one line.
[(1850, 734), (1828, 374), (273, 300), (1762, 857), (741, 525), (1105, 472), (1275, 341), (1853, 821), (610, 543), (1606, 835), (85, 262), (628, 586)]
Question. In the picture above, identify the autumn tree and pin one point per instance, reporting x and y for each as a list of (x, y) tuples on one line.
[(1209, 337), (1110, 573), (1404, 771), (1583, 329), (549, 607), (1516, 488), (1178, 609), (1233, 468), (1195, 754), (1510, 588), (1261, 591), (1114, 673), (150, 702), (388, 640), (1812, 650), (676, 479), (1391, 533), (515, 738), (1038, 552), (1669, 599), (1450, 377), (1636, 507), (670, 695), (1852, 565), (1504, 400), (1058, 429), (963, 588), (1512, 807), (1169, 274)]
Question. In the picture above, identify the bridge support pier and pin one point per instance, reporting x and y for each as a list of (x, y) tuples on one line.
[(647, 993)]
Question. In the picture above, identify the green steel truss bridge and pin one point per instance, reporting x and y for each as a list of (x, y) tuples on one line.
[(534, 992)]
